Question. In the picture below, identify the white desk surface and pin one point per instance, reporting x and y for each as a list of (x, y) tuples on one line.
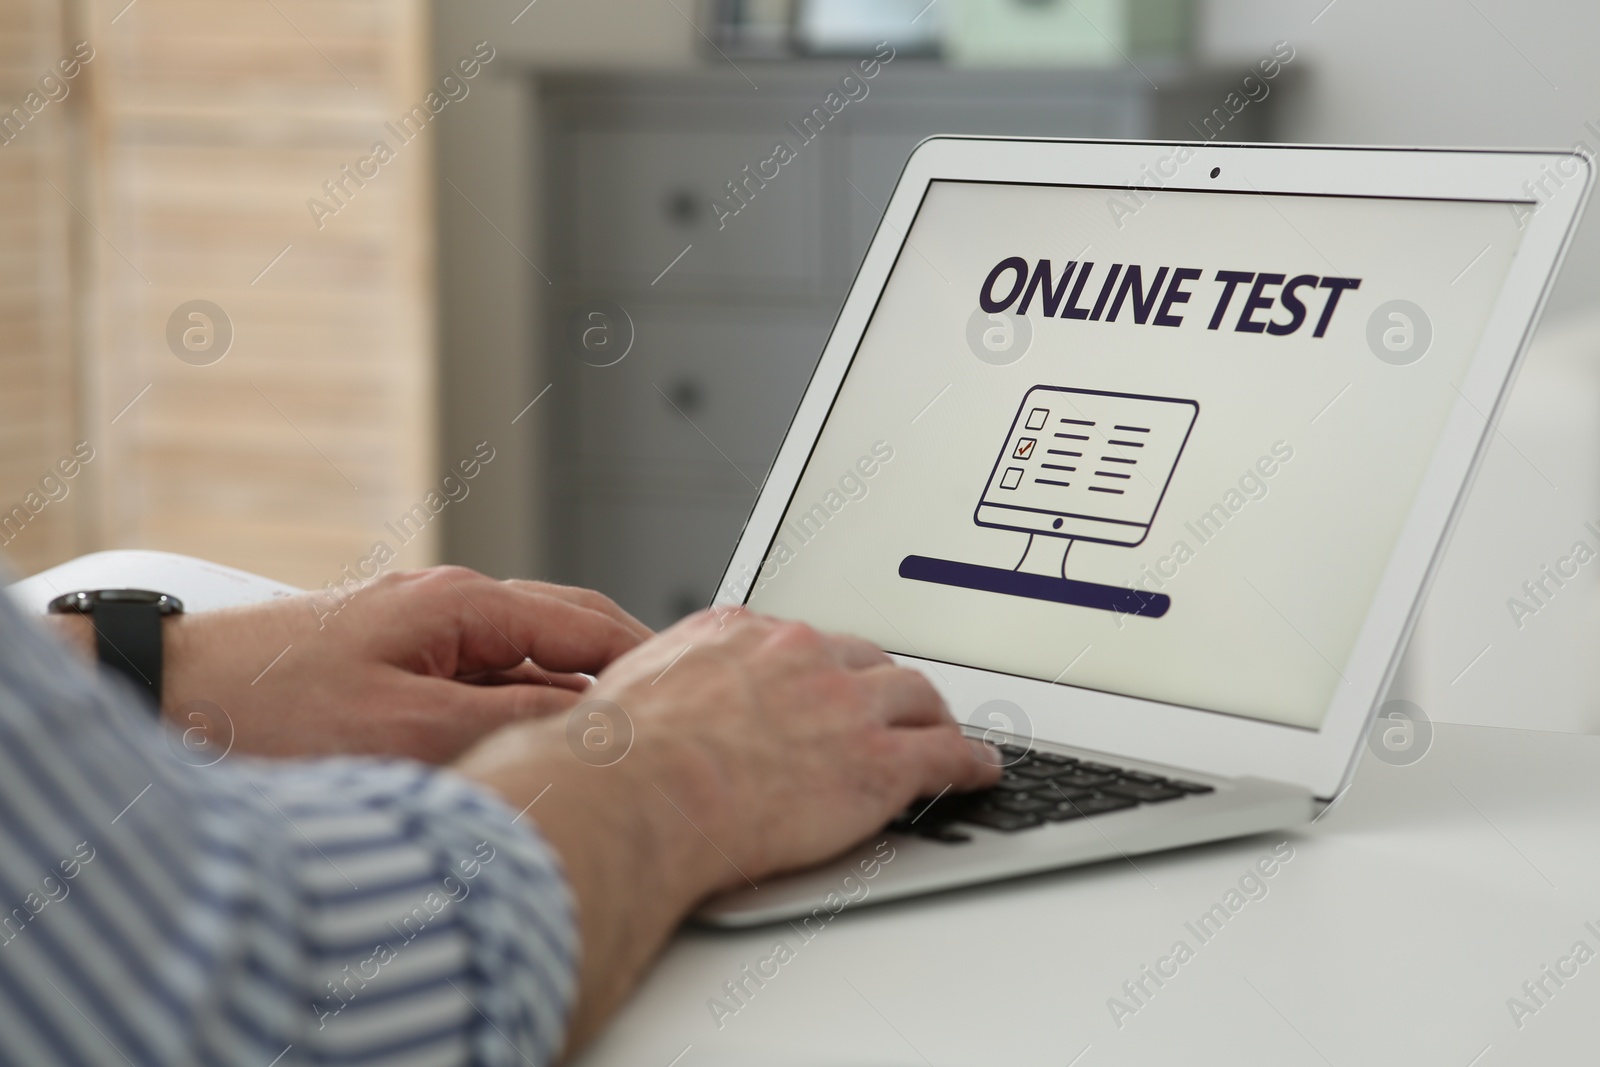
[(1408, 916)]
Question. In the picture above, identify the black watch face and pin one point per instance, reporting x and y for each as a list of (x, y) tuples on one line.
[(130, 596), (85, 601)]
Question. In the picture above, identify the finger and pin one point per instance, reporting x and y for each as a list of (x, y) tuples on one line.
[(501, 625), (902, 697), (855, 652), (586, 598), (435, 719), (936, 758), (482, 709), (527, 674)]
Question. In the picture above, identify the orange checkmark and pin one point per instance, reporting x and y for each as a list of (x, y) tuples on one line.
[(1024, 448)]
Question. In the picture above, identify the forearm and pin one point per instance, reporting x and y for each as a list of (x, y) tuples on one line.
[(77, 632), (419, 664), (451, 920), (635, 864), (185, 639)]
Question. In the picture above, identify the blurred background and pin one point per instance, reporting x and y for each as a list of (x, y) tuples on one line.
[(491, 281)]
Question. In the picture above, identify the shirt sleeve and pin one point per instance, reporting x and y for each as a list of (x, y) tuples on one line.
[(169, 905)]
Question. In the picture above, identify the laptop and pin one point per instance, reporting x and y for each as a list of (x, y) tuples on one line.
[(1144, 454)]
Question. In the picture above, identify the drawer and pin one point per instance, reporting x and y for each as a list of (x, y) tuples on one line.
[(701, 402), (660, 560), (644, 197)]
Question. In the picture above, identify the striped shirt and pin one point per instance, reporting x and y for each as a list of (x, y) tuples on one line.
[(153, 911)]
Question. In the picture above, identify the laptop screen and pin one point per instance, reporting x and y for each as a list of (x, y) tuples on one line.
[(1154, 443)]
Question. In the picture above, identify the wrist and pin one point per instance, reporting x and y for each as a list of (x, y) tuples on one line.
[(74, 631), (611, 824), (124, 631), (635, 865), (180, 638), (680, 792), (77, 632), (219, 656)]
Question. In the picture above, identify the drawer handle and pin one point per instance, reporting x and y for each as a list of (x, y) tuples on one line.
[(684, 602), (687, 396), (683, 207)]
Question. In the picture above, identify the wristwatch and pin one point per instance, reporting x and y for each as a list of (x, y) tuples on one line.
[(127, 630)]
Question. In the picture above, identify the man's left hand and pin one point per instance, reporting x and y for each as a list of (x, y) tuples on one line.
[(419, 664)]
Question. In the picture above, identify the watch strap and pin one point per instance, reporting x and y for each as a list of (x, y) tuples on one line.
[(128, 640)]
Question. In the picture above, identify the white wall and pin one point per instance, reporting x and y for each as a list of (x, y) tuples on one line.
[(1502, 73), (1436, 72)]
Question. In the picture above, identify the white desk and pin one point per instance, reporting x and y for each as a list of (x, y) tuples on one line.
[(1406, 918)]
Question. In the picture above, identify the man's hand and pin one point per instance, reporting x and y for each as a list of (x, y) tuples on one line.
[(758, 746), (783, 744), (420, 664)]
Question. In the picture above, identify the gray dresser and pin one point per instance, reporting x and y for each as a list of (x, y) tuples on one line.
[(656, 459)]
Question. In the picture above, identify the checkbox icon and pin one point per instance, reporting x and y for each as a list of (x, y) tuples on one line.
[(1037, 418), (1025, 447), (1012, 478)]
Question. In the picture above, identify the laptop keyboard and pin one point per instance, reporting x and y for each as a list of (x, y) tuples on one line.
[(1036, 789)]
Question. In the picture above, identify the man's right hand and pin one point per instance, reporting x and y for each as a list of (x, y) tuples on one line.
[(758, 746), (783, 744)]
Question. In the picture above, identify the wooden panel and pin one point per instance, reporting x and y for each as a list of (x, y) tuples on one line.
[(37, 417), (213, 125)]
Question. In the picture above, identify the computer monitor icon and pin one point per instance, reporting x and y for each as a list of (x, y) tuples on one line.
[(1077, 465)]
